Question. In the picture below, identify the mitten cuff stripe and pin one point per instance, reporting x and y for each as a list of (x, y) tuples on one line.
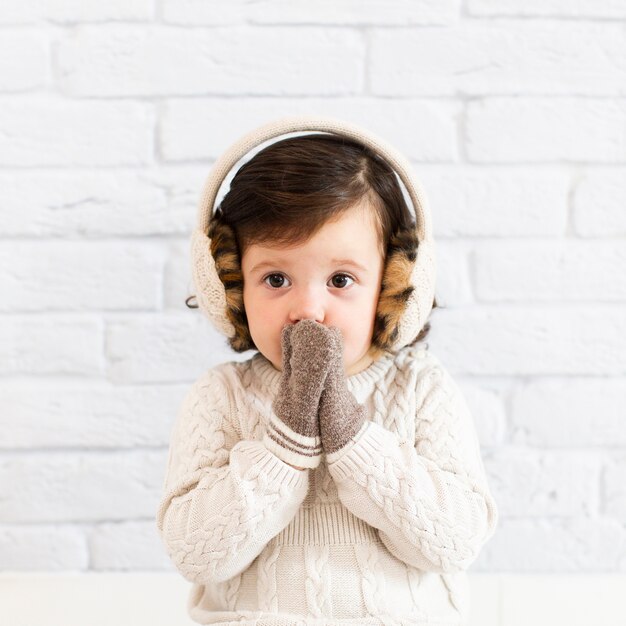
[(291, 437), (289, 455)]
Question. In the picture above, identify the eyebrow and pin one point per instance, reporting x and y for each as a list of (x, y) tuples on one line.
[(263, 264)]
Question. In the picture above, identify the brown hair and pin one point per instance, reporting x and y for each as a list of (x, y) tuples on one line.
[(286, 192)]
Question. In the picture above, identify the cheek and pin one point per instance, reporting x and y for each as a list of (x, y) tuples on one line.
[(359, 327), (247, 298), (253, 305), (262, 319), (253, 312), (353, 330)]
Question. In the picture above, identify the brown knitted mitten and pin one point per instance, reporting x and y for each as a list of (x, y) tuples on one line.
[(293, 432), (341, 416)]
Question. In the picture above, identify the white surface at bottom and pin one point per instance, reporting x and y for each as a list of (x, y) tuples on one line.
[(160, 599)]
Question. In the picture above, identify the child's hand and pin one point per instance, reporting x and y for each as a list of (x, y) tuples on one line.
[(312, 345), (293, 434), (341, 416)]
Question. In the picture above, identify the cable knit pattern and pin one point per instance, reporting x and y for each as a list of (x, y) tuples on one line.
[(381, 532), (318, 580)]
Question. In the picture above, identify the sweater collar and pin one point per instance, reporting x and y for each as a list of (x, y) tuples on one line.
[(364, 379)]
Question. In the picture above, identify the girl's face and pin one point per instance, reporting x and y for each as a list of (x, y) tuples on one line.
[(316, 280)]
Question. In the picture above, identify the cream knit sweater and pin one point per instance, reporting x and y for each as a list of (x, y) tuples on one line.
[(381, 535)]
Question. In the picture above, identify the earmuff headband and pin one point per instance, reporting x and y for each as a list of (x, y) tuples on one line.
[(295, 123)]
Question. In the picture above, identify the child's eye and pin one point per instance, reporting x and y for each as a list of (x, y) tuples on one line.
[(343, 276), (341, 285)]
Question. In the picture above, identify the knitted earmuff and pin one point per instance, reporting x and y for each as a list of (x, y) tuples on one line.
[(408, 282)]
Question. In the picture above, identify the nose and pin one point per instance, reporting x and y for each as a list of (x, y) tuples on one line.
[(307, 304)]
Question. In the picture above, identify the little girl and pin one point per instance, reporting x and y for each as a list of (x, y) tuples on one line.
[(335, 477)]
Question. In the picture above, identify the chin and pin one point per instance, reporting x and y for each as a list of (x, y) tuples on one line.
[(359, 365)]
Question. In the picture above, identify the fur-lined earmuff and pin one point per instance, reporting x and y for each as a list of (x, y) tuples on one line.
[(395, 290), (225, 253)]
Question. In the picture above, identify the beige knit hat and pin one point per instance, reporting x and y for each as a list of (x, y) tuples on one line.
[(408, 283)]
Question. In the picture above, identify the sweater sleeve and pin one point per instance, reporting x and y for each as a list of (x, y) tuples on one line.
[(429, 500), (223, 497)]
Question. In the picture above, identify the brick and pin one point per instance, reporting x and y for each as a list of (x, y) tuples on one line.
[(537, 483), (188, 345), (560, 271), (555, 545), (100, 202), (85, 414), (478, 201), (569, 412), (546, 130), (51, 344), (43, 548), (548, 8), (87, 486), (500, 57), (614, 487), (177, 279), (486, 400), (51, 131), (81, 275), (64, 12), (24, 60), (350, 12), (127, 546), (154, 60), (517, 340), (453, 274), (598, 204)]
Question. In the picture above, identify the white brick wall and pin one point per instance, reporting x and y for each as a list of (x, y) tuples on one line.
[(514, 116)]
